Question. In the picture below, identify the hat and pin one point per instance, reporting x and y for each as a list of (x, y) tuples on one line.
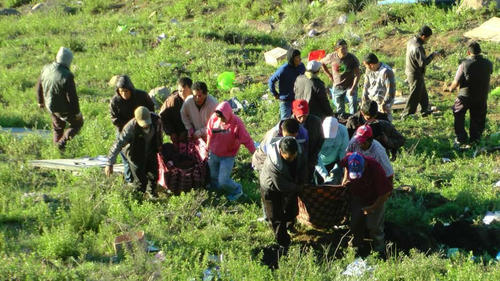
[(330, 127), (355, 165), (300, 108), (313, 66), (64, 56), (363, 133), (142, 116)]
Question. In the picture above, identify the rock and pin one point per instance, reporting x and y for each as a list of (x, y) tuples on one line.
[(476, 4), (312, 33), (159, 95), (488, 31), (260, 25), (342, 19), (9, 12), (274, 56)]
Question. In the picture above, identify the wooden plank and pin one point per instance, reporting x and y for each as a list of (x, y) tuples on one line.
[(74, 164)]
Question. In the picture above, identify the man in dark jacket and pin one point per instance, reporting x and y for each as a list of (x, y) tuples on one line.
[(56, 92), (126, 99), (473, 78), (140, 139), (368, 108), (310, 88), (416, 62), (314, 128), (286, 76), (170, 112), (281, 180)]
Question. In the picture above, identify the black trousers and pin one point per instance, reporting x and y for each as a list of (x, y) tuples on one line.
[(281, 210), (418, 95), (145, 173), (477, 119)]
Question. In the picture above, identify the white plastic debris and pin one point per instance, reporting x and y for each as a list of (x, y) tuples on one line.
[(161, 37), (357, 268), (313, 32), (497, 184), (342, 19), (491, 217), (160, 256), (445, 160)]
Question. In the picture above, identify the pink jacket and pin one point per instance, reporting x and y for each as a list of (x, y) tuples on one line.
[(224, 139)]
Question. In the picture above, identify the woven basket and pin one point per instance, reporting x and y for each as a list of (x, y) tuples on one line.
[(323, 206)]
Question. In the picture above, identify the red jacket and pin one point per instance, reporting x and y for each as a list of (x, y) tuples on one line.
[(224, 139)]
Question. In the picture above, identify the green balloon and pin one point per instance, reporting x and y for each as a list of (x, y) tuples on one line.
[(225, 80)]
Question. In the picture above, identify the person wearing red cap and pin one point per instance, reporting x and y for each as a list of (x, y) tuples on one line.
[(314, 126), (369, 190), (363, 142)]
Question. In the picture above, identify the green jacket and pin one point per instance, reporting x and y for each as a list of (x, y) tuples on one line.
[(56, 89)]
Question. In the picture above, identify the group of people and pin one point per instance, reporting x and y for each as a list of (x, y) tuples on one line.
[(310, 145)]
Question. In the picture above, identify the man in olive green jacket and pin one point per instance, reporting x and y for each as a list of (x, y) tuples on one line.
[(57, 93)]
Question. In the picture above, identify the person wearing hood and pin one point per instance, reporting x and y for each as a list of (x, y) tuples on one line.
[(141, 139), (310, 88), (281, 180), (344, 73), (56, 92), (196, 110), (332, 151), (122, 106), (225, 133), (314, 129), (286, 76)]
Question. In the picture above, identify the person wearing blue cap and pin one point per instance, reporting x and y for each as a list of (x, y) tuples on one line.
[(365, 180)]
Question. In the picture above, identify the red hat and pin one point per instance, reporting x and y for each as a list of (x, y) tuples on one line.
[(363, 133), (300, 108)]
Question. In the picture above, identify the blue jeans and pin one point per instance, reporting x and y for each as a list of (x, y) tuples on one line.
[(285, 109), (220, 176), (127, 174), (340, 97)]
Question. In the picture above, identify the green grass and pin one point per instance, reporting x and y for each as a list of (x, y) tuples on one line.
[(58, 225)]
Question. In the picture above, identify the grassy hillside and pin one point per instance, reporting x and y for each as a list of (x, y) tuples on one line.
[(58, 225)]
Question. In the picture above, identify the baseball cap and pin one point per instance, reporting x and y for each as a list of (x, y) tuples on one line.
[(355, 165), (313, 66), (142, 116), (363, 133), (300, 107)]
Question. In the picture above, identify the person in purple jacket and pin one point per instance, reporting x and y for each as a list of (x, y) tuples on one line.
[(286, 76)]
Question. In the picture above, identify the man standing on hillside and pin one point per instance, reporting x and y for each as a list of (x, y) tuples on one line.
[(345, 76), (380, 85), (416, 62), (122, 106), (286, 76), (473, 78), (57, 93)]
